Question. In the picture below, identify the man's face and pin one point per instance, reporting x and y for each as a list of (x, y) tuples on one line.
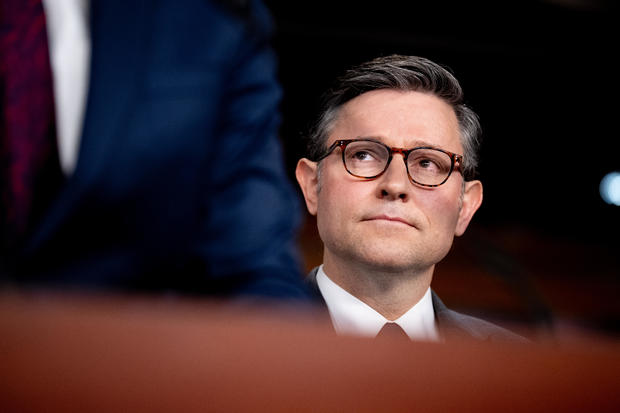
[(389, 223)]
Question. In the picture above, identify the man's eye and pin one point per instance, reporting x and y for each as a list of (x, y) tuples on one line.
[(435, 163), (427, 164), (363, 156)]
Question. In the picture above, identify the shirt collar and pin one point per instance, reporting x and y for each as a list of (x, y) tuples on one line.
[(351, 316)]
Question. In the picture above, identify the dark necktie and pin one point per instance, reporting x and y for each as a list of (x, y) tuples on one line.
[(393, 331), (29, 166)]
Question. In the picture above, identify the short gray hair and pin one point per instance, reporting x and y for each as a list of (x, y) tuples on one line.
[(398, 72)]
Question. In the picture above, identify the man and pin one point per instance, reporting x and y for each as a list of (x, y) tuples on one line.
[(390, 180), (174, 180)]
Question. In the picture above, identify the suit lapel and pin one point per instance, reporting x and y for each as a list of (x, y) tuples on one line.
[(446, 323), (116, 45), (316, 295), (312, 285), (451, 324)]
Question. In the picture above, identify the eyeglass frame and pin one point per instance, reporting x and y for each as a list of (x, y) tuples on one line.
[(342, 144)]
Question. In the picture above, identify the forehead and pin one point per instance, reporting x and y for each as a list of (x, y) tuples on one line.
[(399, 118)]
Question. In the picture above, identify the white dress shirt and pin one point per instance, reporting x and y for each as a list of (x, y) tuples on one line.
[(68, 35), (351, 316)]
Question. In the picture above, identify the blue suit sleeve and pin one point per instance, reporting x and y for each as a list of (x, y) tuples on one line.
[(251, 209)]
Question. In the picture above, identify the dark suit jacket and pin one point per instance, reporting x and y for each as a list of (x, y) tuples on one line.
[(451, 324), (180, 180)]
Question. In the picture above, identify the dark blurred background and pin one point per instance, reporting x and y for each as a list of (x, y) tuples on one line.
[(542, 252)]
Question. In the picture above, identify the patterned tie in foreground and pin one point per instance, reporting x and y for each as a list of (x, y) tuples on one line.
[(29, 166)]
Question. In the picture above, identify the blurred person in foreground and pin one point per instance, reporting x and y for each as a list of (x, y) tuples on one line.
[(169, 174), (390, 178)]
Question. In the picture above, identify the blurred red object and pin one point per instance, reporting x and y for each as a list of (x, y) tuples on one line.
[(61, 352)]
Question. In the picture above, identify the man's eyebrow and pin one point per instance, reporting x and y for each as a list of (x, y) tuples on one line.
[(374, 138), (415, 144)]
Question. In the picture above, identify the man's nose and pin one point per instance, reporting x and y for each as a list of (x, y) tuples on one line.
[(395, 183)]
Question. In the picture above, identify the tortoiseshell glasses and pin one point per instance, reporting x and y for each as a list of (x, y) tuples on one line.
[(369, 159)]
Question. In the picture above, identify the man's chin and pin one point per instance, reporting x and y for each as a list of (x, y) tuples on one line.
[(392, 263)]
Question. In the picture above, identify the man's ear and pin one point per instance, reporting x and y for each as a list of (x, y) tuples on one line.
[(472, 198), (306, 174)]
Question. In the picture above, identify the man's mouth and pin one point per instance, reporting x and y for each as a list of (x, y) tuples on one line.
[(395, 219)]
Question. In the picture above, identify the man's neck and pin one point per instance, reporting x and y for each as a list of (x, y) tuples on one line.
[(391, 293)]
